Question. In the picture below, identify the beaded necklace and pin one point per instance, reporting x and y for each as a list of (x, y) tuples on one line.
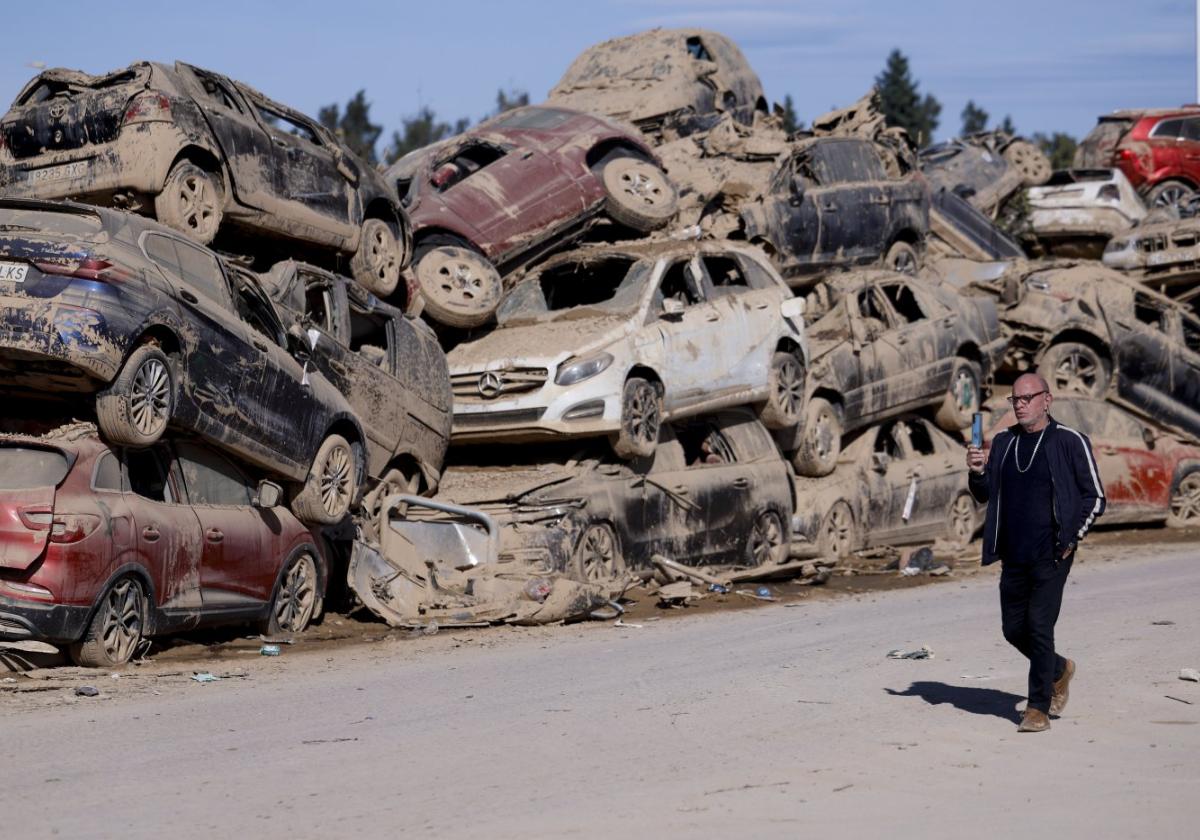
[(1017, 453)]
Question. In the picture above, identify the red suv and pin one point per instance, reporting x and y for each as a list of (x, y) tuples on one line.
[(1159, 151), (101, 548)]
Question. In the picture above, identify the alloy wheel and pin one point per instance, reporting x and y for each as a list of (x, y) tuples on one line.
[(150, 397)]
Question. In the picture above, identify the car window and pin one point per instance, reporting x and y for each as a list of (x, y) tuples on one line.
[(161, 251), (757, 276), (256, 310), (725, 275), (215, 91), (318, 303), (904, 302), (1120, 426), (147, 475), (1167, 129), (464, 162), (609, 285), (920, 440), (1150, 312), (196, 267), (26, 467), (1191, 334), (108, 474), (846, 161), (873, 311), (889, 440), (677, 284), (210, 478), (1191, 129), (697, 50), (704, 445), (369, 338), (286, 123)]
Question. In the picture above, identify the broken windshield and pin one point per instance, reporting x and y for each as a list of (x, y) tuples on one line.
[(608, 286)]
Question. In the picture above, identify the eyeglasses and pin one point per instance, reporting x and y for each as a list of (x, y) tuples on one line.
[(1025, 399)]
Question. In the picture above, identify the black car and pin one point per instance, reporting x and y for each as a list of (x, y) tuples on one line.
[(202, 152), (98, 302), (832, 203)]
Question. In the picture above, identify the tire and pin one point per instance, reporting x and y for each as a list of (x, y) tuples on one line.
[(639, 194), (135, 409), (820, 440), (767, 543), (641, 419), (784, 407), (191, 201), (597, 556), (331, 486), (116, 629), (460, 286), (296, 599), (960, 525), (963, 396), (377, 262), (1169, 194), (838, 536), (1185, 502), (1074, 368), (902, 258), (1028, 160)]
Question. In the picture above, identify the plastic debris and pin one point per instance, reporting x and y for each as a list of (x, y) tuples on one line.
[(430, 629), (924, 652), (270, 650), (538, 589), (1190, 674), (620, 623), (204, 677), (763, 592), (718, 588), (87, 691)]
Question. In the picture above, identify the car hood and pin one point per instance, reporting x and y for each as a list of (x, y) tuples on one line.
[(537, 345)]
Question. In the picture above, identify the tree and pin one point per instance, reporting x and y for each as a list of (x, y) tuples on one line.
[(506, 101), (354, 126), (1059, 147), (791, 123), (974, 118), (420, 130), (1007, 126), (901, 104)]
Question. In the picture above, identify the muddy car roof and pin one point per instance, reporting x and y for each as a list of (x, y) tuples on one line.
[(643, 249), (1090, 271)]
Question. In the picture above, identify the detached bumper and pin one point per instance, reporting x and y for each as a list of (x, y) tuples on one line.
[(22, 621)]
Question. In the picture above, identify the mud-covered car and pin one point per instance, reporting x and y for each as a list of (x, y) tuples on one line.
[(389, 367), (1163, 254), (1148, 476), (101, 548), (985, 168), (883, 343), (1157, 149), (1077, 211), (715, 490), (512, 190), (614, 340), (106, 305), (667, 82), (832, 203), (899, 482), (202, 152), (1092, 331)]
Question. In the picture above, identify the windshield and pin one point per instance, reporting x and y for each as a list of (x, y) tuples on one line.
[(604, 287), (26, 468)]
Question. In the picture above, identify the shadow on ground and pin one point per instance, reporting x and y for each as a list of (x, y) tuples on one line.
[(977, 701)]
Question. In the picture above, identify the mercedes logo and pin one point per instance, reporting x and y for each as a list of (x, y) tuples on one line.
[(490, 385)]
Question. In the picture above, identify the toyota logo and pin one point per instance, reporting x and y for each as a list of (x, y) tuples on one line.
[(56, 111), (490, 385)]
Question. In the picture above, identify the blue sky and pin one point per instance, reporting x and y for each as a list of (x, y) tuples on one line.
[(1053, 65)]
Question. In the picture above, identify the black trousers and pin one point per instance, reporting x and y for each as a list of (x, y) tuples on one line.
[(1030, 598)]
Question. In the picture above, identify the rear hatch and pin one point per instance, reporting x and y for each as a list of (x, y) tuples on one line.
[(29, 474), (66, 109), (42, 244), (1096, 150)]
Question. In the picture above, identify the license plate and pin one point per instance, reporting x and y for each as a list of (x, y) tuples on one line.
[(58, 173), (13, 272)]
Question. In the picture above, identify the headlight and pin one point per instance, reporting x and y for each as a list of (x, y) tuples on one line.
[(582, 369), (1115, 245)]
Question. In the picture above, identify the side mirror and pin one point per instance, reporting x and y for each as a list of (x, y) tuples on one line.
[(672, 309), (269, 494), (880, 461), (792, 308), (1149, 437)]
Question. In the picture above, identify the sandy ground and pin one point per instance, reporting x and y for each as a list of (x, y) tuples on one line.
[(767, 721)]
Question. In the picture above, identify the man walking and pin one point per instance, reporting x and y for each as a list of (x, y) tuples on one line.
[(1043, 494)]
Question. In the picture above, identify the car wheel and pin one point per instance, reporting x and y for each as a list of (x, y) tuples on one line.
[(135, 409), (295, 601), (961, 525), (461, 287), (838, 536), (963, 396), (376, 264), (597, 556), (115, 631), (1169, 194), (1185, 502), (393, 482), (902, 257), (1073, 368), (820, 441), (785, 392), (191, 201), (1028, 160), (640, 195), (641, 418), (331, 486), (767, 543)]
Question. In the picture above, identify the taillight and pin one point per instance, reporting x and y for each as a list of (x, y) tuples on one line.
[(1137, 154), (147, 107), (89, 268), (63, 527)]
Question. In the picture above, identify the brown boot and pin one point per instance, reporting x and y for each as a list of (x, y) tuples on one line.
[(1034, 720), (1058, 700)]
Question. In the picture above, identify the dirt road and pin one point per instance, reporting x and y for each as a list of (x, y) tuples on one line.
[(765, 722)]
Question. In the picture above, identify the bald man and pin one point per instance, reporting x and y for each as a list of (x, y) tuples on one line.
[(1043, 493)]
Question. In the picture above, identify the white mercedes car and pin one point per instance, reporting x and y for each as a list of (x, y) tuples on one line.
[(613, 340)]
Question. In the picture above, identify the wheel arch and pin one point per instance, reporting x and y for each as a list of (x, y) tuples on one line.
[(129, 569), (1079, 336), (605, 150), (647, 373), (209, 161)]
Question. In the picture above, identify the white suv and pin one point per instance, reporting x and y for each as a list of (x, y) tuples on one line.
[(614, 340)]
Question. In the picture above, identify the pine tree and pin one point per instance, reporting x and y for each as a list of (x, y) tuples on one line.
[(974, 118), (901, 104), (420, 130), (354, 127), (1007, 126), (1059, 147), (791, 123), (507, 100)]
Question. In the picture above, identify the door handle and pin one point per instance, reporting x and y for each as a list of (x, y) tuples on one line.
[(948, 321), (150, 534), (526, 155), (712, 316), (214, 535), (762, 306), (741, 483), (188, 296)]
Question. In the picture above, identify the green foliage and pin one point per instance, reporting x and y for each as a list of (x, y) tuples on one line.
[(1059, 147), (901, 104), (791, 123), (420, 130), (507, 100), (354, 126), (1007, 126), (974, 118)]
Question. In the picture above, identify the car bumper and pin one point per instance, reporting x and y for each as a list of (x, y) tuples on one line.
[(55, 345), (22, 621), (1104, 222)]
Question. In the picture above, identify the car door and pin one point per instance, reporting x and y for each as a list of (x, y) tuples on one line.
[(1185, 374), (889, 491), (660, 524), (1145, 353), (939, 468), (690, 329), (1166, 142), (790, 211), (747, 322), (851, 203), (926, 349), (1134, 478), (879, 356)]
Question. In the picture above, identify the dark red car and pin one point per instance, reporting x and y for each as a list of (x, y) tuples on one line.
[(514, 189), (101, 548), (1158, 150), (1147, 476)]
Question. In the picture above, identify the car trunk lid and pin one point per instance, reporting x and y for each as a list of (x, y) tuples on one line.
[(1096, 150), (29, 475)]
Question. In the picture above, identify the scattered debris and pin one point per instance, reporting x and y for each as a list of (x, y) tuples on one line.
[(87, 691), (924, 652), (620, 623), (1189, 674), (204, 677), (269, 650), (1180, 699)]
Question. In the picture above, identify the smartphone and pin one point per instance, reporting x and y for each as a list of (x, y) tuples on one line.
[(977, 430)]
